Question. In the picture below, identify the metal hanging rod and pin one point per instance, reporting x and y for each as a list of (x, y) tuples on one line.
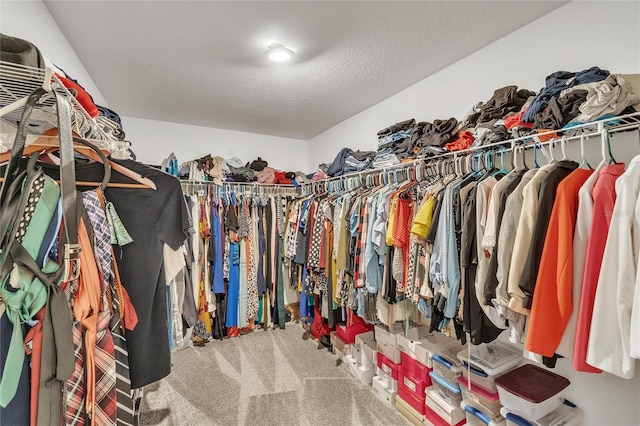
[(585, 130), (246, 188)]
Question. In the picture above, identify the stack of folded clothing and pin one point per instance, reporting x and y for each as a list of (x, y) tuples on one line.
[(557, 82), (238, 172), (395, 143), (505, 101), (358, 161), (612, 96), (438, 133), (337, 165), (587, 102)]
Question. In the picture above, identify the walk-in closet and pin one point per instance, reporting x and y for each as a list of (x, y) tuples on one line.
[(319, 213)]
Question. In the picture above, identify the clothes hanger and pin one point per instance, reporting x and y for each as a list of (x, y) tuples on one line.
[(535, 153), (562, 147), (503, 170), (584, 161), (606, 137), (48, 142), (84, 148)]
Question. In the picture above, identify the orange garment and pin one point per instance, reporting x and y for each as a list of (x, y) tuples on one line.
[(516, 121), (86, 307), (552, 300), (464, 141), (545, 137)]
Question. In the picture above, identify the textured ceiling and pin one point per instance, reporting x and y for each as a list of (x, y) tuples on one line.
[(203, 62)]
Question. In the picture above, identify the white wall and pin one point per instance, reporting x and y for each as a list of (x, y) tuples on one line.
[(576, 36), (31, 21), (152, 141)]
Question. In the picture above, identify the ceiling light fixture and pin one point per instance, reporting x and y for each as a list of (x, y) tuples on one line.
[(278, 53)]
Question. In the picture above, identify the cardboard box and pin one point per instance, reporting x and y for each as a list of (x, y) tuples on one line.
[(423, 347), (365, 345), (364, 375), (409, 412), (386, 378), (339, 347), (388, 366), (348, 333), (384, 393), (416, 401), (390, 352), (387, 336), (445, 412)]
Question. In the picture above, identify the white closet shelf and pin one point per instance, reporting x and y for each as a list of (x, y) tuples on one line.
[(597, 128), (17, 82)]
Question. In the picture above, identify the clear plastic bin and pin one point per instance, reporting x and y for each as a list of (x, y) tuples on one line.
[(479, 378), (565, 415), (447, 390), (476, 417), (493, 358), (531, 391), (479, 398), (447, 365)]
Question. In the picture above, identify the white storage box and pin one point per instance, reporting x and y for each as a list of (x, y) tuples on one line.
[(450, 413), (365, 345), (384, 393), (390, 352), (387, 336), (531, 391), (409, 412), (339, 346), (421, 348), (476, 417), (565, 415), (386, 379), (364, 375)]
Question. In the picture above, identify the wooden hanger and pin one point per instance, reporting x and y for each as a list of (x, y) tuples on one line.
[(48, 142)]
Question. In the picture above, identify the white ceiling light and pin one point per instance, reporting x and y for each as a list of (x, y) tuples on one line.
[(279, 53)]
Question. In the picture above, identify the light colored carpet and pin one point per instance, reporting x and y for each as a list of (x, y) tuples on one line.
[(274, 377)]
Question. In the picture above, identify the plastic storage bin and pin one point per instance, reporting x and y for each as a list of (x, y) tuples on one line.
[(450, 414), (479, 398), (479, 378), (481, 364), (476, 417), (447, 365), (565, 415), (447, 390), (531, 391)]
